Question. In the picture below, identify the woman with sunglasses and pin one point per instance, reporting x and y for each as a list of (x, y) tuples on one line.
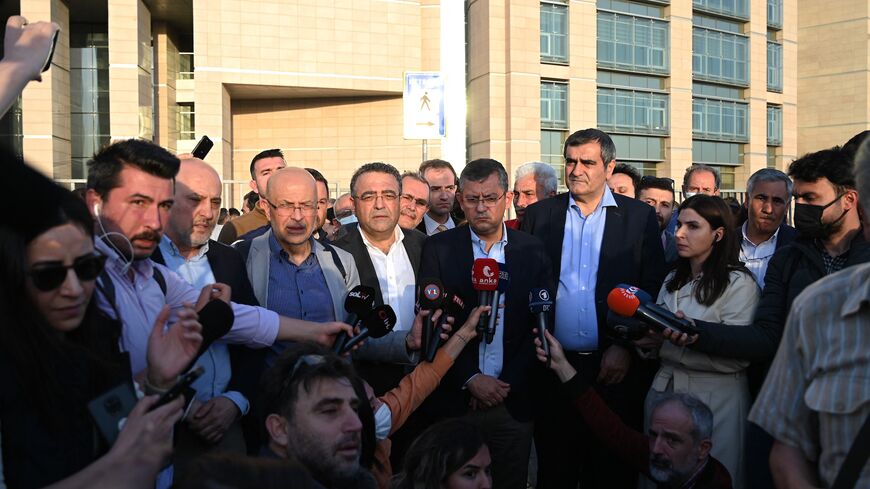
[(711, 284), (57, 353)]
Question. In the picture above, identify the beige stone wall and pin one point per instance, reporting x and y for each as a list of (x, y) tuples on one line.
[(678, 147), (130, 93), (166, 64)]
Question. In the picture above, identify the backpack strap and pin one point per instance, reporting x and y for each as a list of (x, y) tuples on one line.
[(854, 462), (160, 279), (336, 259)]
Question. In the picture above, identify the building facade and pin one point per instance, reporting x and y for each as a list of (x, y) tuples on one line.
[(675, 82)]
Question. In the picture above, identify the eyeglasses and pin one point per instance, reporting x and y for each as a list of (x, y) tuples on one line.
[(369, 197), (488, 200), (409, 199), (288, 208), (310, 360), (49, 276)]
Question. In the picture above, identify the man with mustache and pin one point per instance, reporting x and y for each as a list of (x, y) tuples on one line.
[(532, 182), (415, 200), (441, 178), (768, 193)]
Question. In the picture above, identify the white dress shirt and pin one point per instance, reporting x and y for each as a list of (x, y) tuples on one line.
[(395, 278), (757, 257), (432, 224)]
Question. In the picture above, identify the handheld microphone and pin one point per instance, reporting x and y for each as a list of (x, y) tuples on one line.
[(359, 304), (540, 305), (378, 323), (451, 305), (430, 297), (629, 301), (484, 279), (503, 283)]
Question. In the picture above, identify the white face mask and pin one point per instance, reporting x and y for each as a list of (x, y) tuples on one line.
[(347, 220), (383, 422), (686, 195)]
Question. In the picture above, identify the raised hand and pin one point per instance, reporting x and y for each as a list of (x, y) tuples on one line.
[(558, 362), (172, 349)]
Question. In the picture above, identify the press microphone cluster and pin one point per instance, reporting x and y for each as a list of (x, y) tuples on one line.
[(434, 296), (484, 279), (540, 305), (373, 321), (631, 302)]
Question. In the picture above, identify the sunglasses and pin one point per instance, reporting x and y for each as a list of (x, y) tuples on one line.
[(49, 276)]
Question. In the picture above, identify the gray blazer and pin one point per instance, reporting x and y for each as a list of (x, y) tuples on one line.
[(257, 264)]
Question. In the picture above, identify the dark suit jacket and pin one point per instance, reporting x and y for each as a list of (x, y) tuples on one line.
[(786, 235), (422, 227), (631, 249), (448, 256)]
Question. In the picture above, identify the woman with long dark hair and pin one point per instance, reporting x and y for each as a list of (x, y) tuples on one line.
[(711, 284)]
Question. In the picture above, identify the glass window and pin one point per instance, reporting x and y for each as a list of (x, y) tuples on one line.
[(554, 32), (774, 13), (728, 176), (720, 119), (185, 66), (554, 104), (641, 148), (717, 153), (774, 66), (709, 90), (633, 43), (631, 8), (89, 93), (186, 121), (616, 78), (720, 56), (771, 157), (717, 23), (11, 129), (774, 125), (552, 143), (644, 167), (732, 8), (632, 111)]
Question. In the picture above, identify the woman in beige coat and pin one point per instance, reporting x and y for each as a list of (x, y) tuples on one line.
[(710, 284)]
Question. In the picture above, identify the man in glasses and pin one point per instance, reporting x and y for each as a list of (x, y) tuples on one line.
[(596, 240), (532, 182), (387, 258), (263, 165), (441, 178), (491, 383), (415, 200), (659, 193)]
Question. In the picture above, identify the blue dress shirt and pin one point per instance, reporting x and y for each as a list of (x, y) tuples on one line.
[(576, 317), (491, 356)]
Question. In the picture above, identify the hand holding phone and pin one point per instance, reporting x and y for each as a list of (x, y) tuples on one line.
[(178, 389)]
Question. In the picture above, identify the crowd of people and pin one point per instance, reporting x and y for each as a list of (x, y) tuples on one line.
[(142, 346)]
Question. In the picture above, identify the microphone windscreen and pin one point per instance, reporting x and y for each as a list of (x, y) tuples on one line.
[(381, 321), (453, 303), (360, 300), (623, 301), (504, 278), (642, 296), (217, 319), (431, 294), (540, 300), (484, 274)]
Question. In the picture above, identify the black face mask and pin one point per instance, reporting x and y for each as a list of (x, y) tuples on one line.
[(808, 219)]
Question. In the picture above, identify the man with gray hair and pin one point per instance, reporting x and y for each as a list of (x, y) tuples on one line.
[(768, 193), (533, 182), (698, 179)]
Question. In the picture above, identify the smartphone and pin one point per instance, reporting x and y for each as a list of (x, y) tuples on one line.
[(178, 389), (47, 64), (202, 147), (111, 409), (330, 214)]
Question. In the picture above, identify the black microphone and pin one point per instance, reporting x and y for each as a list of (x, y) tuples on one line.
[(380, 322), (540, 305), (630, 301), (503, 283), (484, 279), (359, 304), (430, 297), (451, 305)]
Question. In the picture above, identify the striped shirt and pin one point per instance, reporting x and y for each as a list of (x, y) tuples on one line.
[(817, 394)]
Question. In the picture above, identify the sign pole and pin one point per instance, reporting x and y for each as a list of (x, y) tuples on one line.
[(425, 149)]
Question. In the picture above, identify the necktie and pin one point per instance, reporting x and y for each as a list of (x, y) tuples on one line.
[(440, 228)]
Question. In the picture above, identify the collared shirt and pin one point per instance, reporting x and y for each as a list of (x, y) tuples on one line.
[(832, 263), (576, 317), (756, 257), (395, 278), (817, 394), (432, 224), (139, 299), (296, 291), (491, 355), (216, 360)]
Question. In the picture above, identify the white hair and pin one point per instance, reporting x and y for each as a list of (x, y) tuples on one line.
[(544, 175)]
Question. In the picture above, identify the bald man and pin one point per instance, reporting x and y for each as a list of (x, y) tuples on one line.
[(186, 248), (292, 273)]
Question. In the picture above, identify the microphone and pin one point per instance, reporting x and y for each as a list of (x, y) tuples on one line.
[(451, 305), (503, 283), (629, 301), (379, 322), (358, 303), (540, 305), (484, 279), (430, 297)]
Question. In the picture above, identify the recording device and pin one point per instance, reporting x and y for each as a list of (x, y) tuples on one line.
[(359, 304), (504, 281), (540, 305), (430, 298), (378, 323), (202, 147), (629, 301), (111, 409), (485, 279), (47, 64), (180, 386), (451, 305)]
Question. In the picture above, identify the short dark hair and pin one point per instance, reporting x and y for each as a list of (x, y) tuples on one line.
[(480, 169), (234, 212), (378, 167), (854, 143), (632, 173), (269, 153), (222, 217), (583, 136), (318, 177), (104, 169), (833, 164), (439, 451), (251, 198), (649, 181), (435, 164)]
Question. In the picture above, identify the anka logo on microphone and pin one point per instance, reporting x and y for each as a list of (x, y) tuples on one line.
[(487, 272)]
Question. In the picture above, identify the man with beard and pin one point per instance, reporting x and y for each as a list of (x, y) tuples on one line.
[(768, 193), (415, 200), (659, 193), (312, 416), (441, 178), (532, 182)]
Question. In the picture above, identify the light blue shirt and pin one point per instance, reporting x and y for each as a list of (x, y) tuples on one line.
[(491, 356), (216, 360), (576, 317)]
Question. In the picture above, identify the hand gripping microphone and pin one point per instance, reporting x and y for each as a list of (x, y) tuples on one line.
[(629, 301), (378, 323), (504, 281), (540, 305), (431, 296), (484, 279), (359, 304), (451, 305)]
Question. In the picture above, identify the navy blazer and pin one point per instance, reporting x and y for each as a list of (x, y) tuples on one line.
[(448, 256), (631, 248)]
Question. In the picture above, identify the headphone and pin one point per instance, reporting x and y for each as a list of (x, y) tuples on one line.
[(96, 209)]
